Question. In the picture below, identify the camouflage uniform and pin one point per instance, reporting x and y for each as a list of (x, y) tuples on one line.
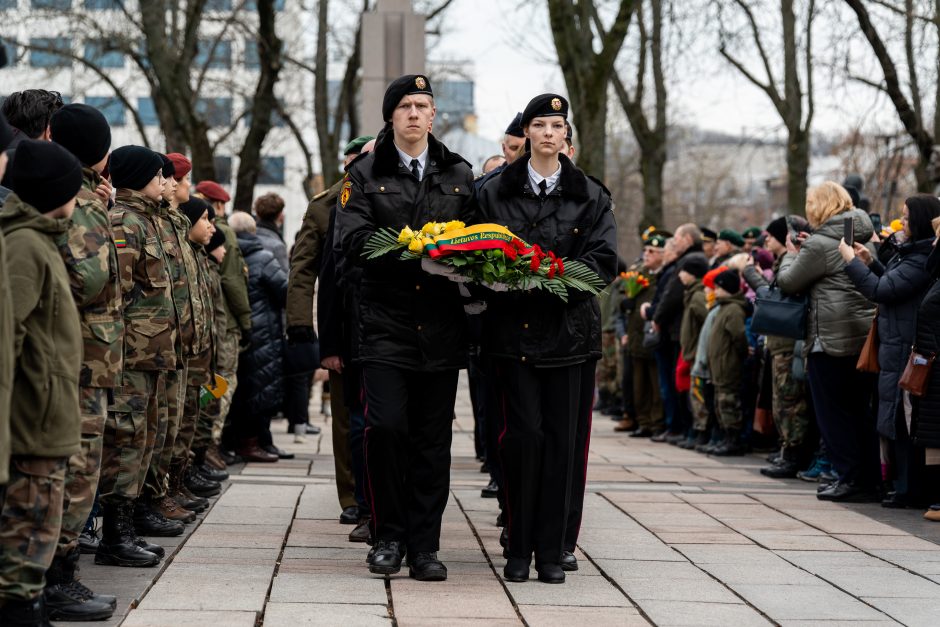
[(791, 412), (91, 260), (209, 426), (140, 401), (646, 397)]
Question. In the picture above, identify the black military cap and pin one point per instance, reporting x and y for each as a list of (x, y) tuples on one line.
[(168, 168), (544, 106), (515, 127), (407, 85), (708, 235)]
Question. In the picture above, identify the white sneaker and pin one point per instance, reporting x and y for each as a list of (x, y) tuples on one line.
[(299, 433)]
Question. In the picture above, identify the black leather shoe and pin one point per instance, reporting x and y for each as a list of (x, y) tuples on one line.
[(230, 457), (782, 469), (361, 533), (350, 516), (199, 485), (550, 573), (147, 522), (504, 537), (211, 474), (846, 492), (156, 549), (24, 613), (501, 519), (568, 561), (88, 541), (516, 569), (67, 602), (281, 454), (426, 567), (490, 491), (387, 558)]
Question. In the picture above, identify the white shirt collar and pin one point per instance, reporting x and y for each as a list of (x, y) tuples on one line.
[(550, 181), (406, 160)]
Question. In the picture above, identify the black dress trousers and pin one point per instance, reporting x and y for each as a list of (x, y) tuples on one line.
[(539, 415), (409, 417), (582, 445)]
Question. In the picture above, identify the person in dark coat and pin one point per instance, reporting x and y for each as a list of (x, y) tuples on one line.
[(537, 343), (412, 327), (260, 390), (897, 289)]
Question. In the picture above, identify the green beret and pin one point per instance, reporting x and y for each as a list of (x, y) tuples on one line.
[(355, 146), (751, 233), (656, 240), (732, 236)]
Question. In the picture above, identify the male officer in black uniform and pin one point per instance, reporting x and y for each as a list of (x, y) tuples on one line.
[(412, 327)]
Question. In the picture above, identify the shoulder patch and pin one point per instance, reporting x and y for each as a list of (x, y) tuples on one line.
[(347, 191)]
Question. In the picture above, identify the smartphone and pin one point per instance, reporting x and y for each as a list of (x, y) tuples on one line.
[(876, 222), (848, 230)]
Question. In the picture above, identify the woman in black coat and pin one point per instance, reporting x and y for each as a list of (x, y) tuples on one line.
[(537, 345), (925, 411), (897, 288), (260, 391)]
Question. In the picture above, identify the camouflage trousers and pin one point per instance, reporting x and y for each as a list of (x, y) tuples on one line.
[(702, 404), (791, 412), (227, 364), (646, 398), (155, 485), (30, 523), (131, 433), (609, 367), (84, 469), (197, 375), (728, 407)]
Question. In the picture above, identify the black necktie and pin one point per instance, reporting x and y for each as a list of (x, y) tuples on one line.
[(543, 189), (414, 168)]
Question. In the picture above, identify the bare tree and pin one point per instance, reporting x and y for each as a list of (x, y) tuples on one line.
[(587, 73), (793, 103)]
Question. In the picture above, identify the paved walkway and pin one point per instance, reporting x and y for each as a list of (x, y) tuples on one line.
[(670, 537)]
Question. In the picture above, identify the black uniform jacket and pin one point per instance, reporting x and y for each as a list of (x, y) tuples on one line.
[(575, 221), (407, 318)]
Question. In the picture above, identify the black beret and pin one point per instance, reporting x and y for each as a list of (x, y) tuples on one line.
[(168, 168), (218, 239), (778, 228), (44, 174), (133, 167), (407, 85), (729, 281), (6, 133), (515, 127), (696, 265), (544, 106), (194, 208), (83, 131)]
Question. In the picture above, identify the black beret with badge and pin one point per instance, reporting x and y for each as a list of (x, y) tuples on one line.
[(407, 85), (515, 127), (545, 105)]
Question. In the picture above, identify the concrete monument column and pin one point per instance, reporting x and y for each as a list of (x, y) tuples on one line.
[(392, 45)]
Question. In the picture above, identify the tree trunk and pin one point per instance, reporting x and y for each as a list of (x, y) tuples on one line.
[(797, 171), (327, 141), (652, 163), (590, 118)]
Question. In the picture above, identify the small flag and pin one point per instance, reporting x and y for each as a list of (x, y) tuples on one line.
[(120, 243)]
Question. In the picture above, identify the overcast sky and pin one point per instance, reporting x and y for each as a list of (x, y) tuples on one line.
[(513, 60)]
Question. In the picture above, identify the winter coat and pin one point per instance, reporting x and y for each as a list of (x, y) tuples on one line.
[(47, 336), (925, 421), (234, 274), (307, 257), (666, 310), (575, 221), (271, 239), (7, 362), (727, 345), (756, 279), (635, 320), (897, 290), (695, 309), (839, 315), (261, 365), (408, 318)]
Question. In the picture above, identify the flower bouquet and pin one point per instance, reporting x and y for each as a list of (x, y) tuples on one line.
[(485, 254), (634, 283)]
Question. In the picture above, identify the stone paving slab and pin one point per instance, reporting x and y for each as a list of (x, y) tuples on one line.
[(290, 614), (562, 616), (187, 618)]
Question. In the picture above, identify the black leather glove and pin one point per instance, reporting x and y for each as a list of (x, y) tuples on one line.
[(301, 335), (244, 342)]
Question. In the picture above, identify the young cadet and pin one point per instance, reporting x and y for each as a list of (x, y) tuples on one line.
[(727, 348), (91, 260), (695, 309), (140, 401), (413, 335), (44, 412), (539, 344)]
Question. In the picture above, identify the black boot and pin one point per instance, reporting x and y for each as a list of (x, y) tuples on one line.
[(30, 613), (786, 466), (516, 569), (199, 485), (68, 600), (118, 545), (206, 471), (180, 494), (731, 445), (149, 522), (88, 540)]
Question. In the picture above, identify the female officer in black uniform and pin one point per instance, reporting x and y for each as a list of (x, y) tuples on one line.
[(536, 343)]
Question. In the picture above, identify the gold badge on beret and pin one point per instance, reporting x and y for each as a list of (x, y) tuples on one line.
[(421, 83), (556, 104)]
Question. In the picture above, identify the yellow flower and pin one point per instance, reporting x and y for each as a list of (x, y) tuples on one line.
[(432, 228), (406, 235), (416, 245), (453, 225)]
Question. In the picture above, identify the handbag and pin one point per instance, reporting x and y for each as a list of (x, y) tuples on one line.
[(777, 314), (916, 373), (868, 359), (651, 337)]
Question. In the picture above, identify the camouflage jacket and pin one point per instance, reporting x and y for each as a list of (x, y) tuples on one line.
[(234, 273), (91, 260), (180, 277), (197, 299), (305, 258), (204, 319), (149, 313)]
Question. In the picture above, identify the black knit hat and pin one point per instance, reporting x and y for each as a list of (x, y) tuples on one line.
[(83, 131), (696, 265), (44, 174), (193, 209), (778, 228), (729, 281), (6, 133), (407, 85), (168, 168), (515, 127), (543, 106), (133, 167), (218, 239)]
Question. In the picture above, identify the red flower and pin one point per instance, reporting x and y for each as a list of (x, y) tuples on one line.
[(535, 263)]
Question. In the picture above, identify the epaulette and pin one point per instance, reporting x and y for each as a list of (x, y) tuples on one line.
[(599, 182), (117, 216), (361, 156), (320, 195)]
